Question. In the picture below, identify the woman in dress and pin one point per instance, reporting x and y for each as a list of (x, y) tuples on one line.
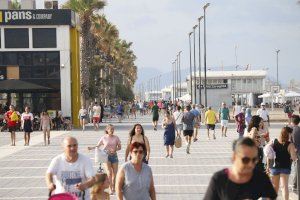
[(111, 144), (137, 135), (240, 122), (169, 125), (82, 116), (45, 126), (27, 124)]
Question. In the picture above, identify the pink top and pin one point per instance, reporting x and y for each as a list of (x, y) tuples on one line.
[(110, 143)]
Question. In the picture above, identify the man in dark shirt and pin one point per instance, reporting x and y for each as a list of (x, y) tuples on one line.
[(296, 141), (188, 126), (241, 181)]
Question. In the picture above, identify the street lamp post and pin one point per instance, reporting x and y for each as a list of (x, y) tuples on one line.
[(173, 87), (195, 78), (191, 84), (200, 79), (277, 52), (175, 75), (205, 79), (179, 70)]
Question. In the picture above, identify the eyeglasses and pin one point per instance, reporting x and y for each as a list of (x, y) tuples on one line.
[(72, 145), (138, 151), (246, 160)]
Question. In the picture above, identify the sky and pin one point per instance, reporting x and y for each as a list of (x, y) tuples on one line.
[(159, 30)]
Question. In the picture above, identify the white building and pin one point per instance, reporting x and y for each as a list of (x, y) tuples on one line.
[(230, 87), (153, 95)]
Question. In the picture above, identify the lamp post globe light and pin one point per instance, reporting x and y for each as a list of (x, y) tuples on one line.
[(200, 79), (205, 70), (191, 84)]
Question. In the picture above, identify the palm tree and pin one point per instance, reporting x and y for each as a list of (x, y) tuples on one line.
[(86, 10), (15, 5)]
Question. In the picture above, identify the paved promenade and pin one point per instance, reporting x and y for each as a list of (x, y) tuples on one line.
[(22, 169)]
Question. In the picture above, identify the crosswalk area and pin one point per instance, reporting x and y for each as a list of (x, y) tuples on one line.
[(186, 176)]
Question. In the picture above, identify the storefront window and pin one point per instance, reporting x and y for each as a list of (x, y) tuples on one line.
[(38, 58), (52, 58), (25, 58), (16, 38), (44, 37), (10, 58)]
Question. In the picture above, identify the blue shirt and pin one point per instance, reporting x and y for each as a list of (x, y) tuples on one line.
[(195, 112)]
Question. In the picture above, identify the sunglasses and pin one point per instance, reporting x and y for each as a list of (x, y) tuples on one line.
[(246, 160), (138, 151)]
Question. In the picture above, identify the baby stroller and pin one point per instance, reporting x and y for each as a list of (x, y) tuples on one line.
[(65, 196), (100, 157)]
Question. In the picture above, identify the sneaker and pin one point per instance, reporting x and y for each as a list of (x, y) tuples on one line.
[(195, 139), (214, 136)]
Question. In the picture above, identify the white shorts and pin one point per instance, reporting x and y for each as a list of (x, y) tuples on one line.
[(224, 123)]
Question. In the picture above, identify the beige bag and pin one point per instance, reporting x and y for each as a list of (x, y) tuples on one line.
[(178, 141)]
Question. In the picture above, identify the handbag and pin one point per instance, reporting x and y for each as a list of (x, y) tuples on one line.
[(100, 155), (178, 141)]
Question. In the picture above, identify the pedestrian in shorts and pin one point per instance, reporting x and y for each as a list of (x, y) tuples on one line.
[(188, 126), (224, 118), (210, 121)]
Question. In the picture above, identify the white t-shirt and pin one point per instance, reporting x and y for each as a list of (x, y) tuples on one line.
[(178, 117), (97, 111), (26, 116), (263, 114), (237, 110), (67, 175)]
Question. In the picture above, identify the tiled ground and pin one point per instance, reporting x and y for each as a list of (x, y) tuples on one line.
[(22, 169)]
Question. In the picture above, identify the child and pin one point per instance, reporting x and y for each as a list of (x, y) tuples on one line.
[(101, 183)]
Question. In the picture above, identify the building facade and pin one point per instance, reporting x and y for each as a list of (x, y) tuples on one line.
[(230, 87), (40, 49)]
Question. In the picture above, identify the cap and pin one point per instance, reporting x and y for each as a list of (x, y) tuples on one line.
[(262, 104)]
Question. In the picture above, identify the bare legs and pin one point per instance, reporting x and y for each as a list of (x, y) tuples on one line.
[(111, 170), (26, 138), (13, 138), (169, 151), (46, 134), (284, 179)]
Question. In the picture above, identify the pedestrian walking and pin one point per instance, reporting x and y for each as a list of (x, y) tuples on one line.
[(133, 109), (285, 152), (248, 116), (288, 110), (241, 180), (111, 144), (155, 115), (82, 116), (135, 179), (90, 111), (188, 127), (45, 126), (12, 119), (224, 118), (102, 112), (137, 134), (169, 125), (210, 121), (178, 114), (263, 113), (120, 111), (96, 116), (240, 122), (101, 184), (126, 110), (70, 172), (27, 124), (197, 122), (296, 141)]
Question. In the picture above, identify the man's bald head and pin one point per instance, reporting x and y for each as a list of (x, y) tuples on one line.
[(69, 140)]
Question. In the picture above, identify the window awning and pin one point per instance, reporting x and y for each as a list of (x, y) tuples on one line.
[(18, 86)]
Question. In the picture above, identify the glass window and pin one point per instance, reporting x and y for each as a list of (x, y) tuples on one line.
[(10, 58), (38, 72), (1, 58), (38, 58), (25, 58), (16, 38), (3, 73), (53, 72), (52, 58), (44, 37), (25, 72)]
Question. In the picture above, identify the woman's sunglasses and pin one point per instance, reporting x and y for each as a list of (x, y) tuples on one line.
[(246, 160), (138, 151)]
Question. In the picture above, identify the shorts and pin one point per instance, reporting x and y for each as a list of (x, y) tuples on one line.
[(224, 123), (83, 117), (278, 171), (46, 128), (188, 132), (210, 126), (112, 158), (12, 128), (96, 119), (179, 127)]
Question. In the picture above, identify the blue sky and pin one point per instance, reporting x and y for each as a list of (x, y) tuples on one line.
[(159, 29)]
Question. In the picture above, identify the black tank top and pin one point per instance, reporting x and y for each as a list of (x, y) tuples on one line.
[(283, 157)]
